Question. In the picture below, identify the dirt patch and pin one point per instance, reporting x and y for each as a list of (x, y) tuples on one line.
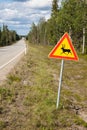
[(83, 114)]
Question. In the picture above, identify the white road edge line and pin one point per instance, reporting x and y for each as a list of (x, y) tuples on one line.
[(12, 59)]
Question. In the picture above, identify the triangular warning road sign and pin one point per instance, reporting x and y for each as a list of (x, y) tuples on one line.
[(64, 49)]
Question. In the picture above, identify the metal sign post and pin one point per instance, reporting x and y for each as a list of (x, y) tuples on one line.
[(83, 47), (60, 82)]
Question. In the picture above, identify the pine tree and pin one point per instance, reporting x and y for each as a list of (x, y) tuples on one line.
[(54, 8), (7, 37)]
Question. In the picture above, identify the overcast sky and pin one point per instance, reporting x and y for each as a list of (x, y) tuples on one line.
[(18, 15)]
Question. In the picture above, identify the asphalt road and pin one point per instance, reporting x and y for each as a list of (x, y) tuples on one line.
[(8, 55)]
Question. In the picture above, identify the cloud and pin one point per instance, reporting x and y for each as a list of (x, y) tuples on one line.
[(39, 3), (19, 14)]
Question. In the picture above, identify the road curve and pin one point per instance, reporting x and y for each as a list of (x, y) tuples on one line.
[(8, 57)]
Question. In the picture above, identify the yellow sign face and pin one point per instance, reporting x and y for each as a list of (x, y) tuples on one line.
[(64, 49)]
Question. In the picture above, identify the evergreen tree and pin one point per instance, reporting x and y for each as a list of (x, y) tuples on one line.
[(53, 27), (7, 37), (54, 8)]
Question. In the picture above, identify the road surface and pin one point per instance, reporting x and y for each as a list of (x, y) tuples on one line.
[(9, 55)]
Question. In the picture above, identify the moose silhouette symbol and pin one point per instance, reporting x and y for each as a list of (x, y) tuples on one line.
[(66, 51)]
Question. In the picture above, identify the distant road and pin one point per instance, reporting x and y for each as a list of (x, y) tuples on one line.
[(9, 54)]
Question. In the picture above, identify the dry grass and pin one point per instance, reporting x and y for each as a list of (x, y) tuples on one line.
[(28, 97)]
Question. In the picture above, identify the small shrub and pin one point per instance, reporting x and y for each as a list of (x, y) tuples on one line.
[(13, 78), (2, 125), (5, 94), (79, 121)]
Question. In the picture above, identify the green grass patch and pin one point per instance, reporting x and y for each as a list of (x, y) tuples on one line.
[(5, 94), (13, 78), (2, 125)]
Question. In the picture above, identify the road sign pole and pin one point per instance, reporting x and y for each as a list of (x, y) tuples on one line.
[(83, 47), (60, 82), (25, 49)]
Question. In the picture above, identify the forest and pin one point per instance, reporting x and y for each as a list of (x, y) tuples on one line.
[(7, 37), (70, 17)]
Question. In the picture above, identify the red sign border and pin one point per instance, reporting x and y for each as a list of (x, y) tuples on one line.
[(58, 44)]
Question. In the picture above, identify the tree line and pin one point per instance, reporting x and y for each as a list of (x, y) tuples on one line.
[(71, 17), (7, 37)]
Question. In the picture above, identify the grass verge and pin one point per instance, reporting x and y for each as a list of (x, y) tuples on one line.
[(28, 98)]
